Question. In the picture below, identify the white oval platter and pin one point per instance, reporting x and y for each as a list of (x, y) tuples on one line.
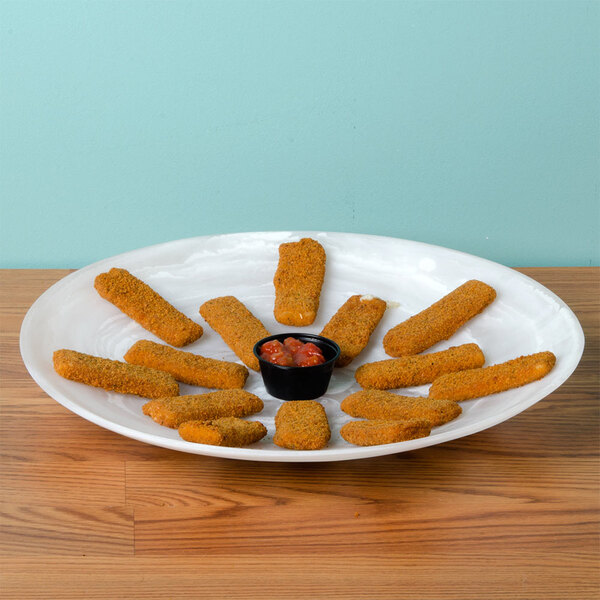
[(526, 317)]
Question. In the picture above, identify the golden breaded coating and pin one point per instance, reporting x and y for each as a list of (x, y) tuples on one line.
[(238, 327), (377, 404), (301, 425), (477, 383), (298, 281), (418, 369), (228, 431), (113, 375), (352, 325), (374, 433), (187, 367), (172, 412), (440, 321), (141, 303)]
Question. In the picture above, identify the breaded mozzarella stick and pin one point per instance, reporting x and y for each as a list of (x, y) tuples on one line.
[(440, 321), (142, 304), (301, 425), (187, 367), (352, 325), (238, 327), (374, 433), (298, 281), (418, 369), (113, 375), (228, 431), (172, 412), (476, 383), (377, 404)]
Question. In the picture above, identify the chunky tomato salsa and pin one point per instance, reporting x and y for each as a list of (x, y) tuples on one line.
[(292, 353)]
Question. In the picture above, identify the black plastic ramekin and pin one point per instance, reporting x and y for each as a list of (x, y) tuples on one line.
[(298, 383)]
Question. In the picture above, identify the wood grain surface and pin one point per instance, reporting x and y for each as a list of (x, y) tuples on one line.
[(510, 512)]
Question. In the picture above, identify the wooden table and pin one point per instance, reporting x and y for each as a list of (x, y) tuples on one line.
[(511, 512)]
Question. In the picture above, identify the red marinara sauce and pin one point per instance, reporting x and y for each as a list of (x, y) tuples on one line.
[(292, 353)]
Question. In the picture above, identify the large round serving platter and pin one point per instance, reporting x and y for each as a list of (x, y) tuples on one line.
[(526, 317)]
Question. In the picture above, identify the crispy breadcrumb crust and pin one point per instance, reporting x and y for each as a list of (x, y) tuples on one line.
[(187, 367), (440, 321), (172, 412), (418, 369), (376, 432), (301, 425), (476, 383), (352, 325), (238, 327), (113, 375), (377, 404), (298, 281), (228, 431), (142, 304)]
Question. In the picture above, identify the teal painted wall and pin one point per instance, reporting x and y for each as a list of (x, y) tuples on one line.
[(472, 125)]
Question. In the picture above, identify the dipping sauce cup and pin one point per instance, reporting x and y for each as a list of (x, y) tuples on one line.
[(298, 383)]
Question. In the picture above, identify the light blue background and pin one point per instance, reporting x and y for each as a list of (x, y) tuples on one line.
[(472, 125)]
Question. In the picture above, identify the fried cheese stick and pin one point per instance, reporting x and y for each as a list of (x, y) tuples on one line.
[(440, 321), (475, 383), (238, 327), (141, 303), (377, 404), (352, 325), (172, 412), (418, 369), (301, 425), (228, 431), (113, 375), (298, 281), (374, 433), (187, 367)]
